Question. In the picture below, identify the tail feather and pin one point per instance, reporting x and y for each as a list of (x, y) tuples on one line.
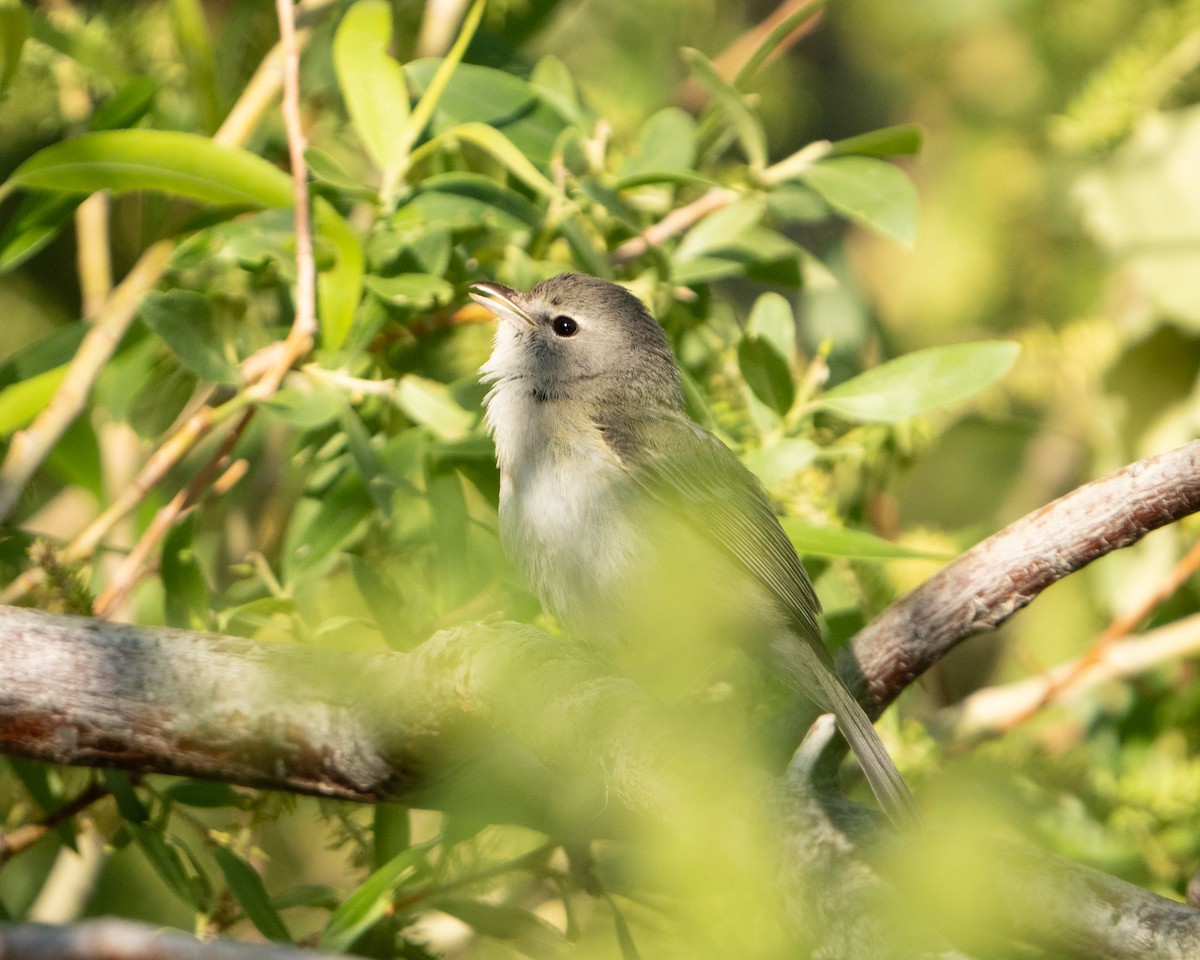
[(813, 673)]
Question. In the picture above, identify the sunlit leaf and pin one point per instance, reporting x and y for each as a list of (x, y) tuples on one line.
[(339, 287), (372, 81), (900, 140), (772, 319), (370, 901), (666, 142), (781, 460), (919, 382), (418, 290), (872, 192), (720, 229), (22, 401), (184, 164), (844, 542), (431, 404)]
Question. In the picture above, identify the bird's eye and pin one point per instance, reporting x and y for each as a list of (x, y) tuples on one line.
[(564, 326)]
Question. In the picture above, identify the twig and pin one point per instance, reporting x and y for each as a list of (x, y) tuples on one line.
[(1058, 681), (26, 836), (438, 25), (994, 710), (994, 579), (673, 224), (126, 575), (30, 447), (93, 258)]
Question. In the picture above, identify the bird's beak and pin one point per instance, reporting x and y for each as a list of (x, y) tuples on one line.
[(501, 301)]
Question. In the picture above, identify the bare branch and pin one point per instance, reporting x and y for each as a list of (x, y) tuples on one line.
[(996, 578), (113, 939)]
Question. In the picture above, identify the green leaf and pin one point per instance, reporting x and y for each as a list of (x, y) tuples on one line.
[(183, 164), (534, 936), (922, 381), (372, 82), (36, 221), (772, 319), (720, 229), (781, 460), (186, 599), (21, 402), (194, 41), (370, 901), (35, 778), (127, 106), (844, 542), (732, 104), (495, 144), (320, 527), (554, 84), (167, 863), (666, 142), (339, 288), (309, 408), (129, 804), (184, 319), (901, 140), (775, 37), (468, 201), (248, 889), (431, 404), (14, 27), (874, 193), (206, 794), (766, 373), (392, 832), (417, 290)]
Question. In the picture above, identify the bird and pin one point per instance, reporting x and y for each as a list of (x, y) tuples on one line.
[(638, 529)]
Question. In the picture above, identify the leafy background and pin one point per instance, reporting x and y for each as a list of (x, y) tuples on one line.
[(1058, 211)]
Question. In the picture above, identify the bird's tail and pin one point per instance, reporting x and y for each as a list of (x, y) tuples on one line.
[(815, 676)]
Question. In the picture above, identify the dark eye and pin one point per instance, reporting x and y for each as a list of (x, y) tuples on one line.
[(564, 326)]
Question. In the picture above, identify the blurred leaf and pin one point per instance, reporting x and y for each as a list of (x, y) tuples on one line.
[(872, 192), (552, 80), (339, 287), (697, 270), (75, 459), (391, 832), (185, 592), (680, 178), (417, 290), (184, 164), (372, 82), (366, 460), (185, 321), (247, 888), (167, 863), (474, 94), (730, 102), (666, 142), (90, 48), (533, 936), (781, 460), (1143, 206), (775, 38), (127, 106), (370, 901), (206, 794), (766, 373), (772, 320), (919, 382), (318, 528), (14, 27), (36, 221), (720, 229), (629, 950), (844, 542), (325, 169), (309, 408), (306, 895), (35, 778), (431, 404), (470, 201), (901, 140), (194, 42), (21, 402), (129, 804)]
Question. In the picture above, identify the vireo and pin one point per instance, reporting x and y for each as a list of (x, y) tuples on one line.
[(638, 529)]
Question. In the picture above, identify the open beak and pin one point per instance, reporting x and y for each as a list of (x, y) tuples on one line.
[(501, 301)]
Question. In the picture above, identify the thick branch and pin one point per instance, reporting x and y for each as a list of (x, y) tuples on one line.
[(111, 939), (994, 579)]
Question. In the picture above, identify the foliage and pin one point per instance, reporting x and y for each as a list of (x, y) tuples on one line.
[(879, 410)]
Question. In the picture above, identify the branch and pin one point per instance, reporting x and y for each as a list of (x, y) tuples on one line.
[(113, 939), (996, 578)]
